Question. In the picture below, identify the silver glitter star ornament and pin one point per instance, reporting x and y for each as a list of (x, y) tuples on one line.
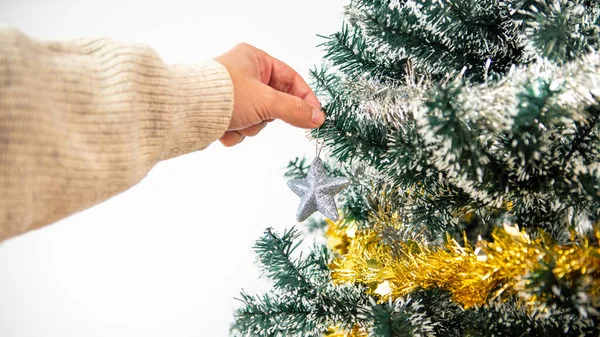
[(317, 192)]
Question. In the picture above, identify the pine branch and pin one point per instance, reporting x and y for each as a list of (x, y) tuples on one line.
[(432, 56), (511, 319), (297, 168), (583, 137), (562, 30), (314, 226), (275, 256), (348, 137), (443, 37), (273, 316), (348, 50), (402, 317), (303, 301)]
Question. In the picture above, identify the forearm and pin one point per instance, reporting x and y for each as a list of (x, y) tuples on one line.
[(83, 120)]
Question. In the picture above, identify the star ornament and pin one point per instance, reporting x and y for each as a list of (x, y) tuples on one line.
[(317, 192)]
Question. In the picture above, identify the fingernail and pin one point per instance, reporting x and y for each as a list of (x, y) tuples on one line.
[(318, 116)]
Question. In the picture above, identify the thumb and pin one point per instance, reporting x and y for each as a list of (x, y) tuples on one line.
[(293, 110)]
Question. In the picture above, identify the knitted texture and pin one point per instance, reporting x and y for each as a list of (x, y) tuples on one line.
[(85, 119)]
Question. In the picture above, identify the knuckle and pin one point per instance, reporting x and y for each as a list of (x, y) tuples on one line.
[(298, 106), (268, 107), (244, 46), (262, 109)]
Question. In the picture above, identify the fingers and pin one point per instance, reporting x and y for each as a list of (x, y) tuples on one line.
[(293, 110), (285, 79), (252, 130), (231, 138), (266, 88)]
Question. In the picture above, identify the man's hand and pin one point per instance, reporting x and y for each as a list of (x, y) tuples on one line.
[(266, 89)]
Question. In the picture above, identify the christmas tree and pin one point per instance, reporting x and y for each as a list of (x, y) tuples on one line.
[(470, 132)]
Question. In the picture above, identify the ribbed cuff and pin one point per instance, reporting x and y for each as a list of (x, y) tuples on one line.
[(205, 106)]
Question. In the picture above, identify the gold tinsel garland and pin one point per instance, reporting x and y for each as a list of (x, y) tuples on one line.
[(472, 275), (338, 332)]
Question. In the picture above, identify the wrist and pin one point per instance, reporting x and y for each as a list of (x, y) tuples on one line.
[(204, 108)]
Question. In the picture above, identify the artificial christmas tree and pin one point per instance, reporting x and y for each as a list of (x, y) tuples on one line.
[(469, 131)]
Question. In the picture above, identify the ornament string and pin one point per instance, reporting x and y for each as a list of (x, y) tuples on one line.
[(317, 148)]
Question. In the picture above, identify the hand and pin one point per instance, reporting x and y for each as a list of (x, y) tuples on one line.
[(264, 89)]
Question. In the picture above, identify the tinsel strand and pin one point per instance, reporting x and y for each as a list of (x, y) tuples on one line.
[(474, 276)]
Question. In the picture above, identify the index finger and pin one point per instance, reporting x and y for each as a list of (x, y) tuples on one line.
[(282, 77)]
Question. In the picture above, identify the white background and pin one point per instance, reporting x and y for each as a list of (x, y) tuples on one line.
[(167, 257)]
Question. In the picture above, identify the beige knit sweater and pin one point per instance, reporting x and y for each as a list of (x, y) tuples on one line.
[(85, 119)]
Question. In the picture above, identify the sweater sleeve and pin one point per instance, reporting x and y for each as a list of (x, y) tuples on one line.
[(85, 119)]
